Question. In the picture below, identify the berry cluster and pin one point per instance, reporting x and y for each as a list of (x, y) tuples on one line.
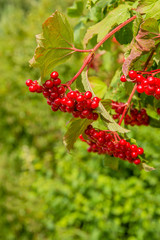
[(134, 116), (79, 104), (104, 142), (149, 85)]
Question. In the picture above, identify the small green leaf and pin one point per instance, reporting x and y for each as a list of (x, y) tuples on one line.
[(114, 17), (125, 35), (111, 162), (53, 42), (76, 10), (98, 86), (76, 127), (147, 168)]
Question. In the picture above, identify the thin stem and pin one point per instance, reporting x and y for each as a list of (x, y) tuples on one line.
[(86, 62), (90, 56), (128, 102), (113, 32)]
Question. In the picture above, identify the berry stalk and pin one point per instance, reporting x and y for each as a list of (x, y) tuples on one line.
[(128, 103)]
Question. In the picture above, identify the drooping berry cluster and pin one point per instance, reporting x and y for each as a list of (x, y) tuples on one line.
[(103, 142), (134, 116), (149, 85), (79, 104)]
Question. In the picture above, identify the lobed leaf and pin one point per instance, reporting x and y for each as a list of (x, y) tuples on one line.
[(114, 17), (53, 42), (142, 43)]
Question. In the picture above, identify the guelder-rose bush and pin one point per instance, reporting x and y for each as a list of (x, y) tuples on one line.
[(131, 26)]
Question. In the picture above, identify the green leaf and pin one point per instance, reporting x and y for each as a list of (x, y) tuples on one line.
[(114, 17), (107, 104), (79, 32), (151, 8), (53, 42), (142, 44), (151, 111), (76, 127), (154, 122), (147, 168), (111, 162), (96, 13), (98, 86), (125, 34), (107, 119), (136, 24), (76, 10)]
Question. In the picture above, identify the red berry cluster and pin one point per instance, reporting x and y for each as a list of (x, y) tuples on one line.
[(103, 142), (79, 104), (149, 85), (134, 117)]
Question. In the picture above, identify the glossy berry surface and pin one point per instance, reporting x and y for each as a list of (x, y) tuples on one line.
[(80, 105)]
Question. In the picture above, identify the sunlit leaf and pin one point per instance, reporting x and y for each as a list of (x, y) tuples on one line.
[(53, 44)]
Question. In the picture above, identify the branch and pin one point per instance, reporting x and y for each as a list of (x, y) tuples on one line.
[(90, 56)]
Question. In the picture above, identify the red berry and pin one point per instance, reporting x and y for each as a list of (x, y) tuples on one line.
[(64, 101), (151, 80), (158, 111), (122, 142), (158, 91), (140, 89), (57, 101), (80, 98), (46, 94), (29, 82), (132, 74), (57, 82), (140, 151), (96, 99), (94, 104), (49, 84), (54, 75), (70, 103), (54, 95), (88, 95), (72, 95), (61, 90), (123, 79), (134, 154), (85, 113), (33, 88), (39, 89), (139, 78), (76, 114), (137, 161), (133, 148), (95, 116)]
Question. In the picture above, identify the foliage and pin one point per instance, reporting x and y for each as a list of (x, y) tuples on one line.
[(46, 193)]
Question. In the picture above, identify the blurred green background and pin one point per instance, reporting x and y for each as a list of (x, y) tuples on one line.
[(45, 192)]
